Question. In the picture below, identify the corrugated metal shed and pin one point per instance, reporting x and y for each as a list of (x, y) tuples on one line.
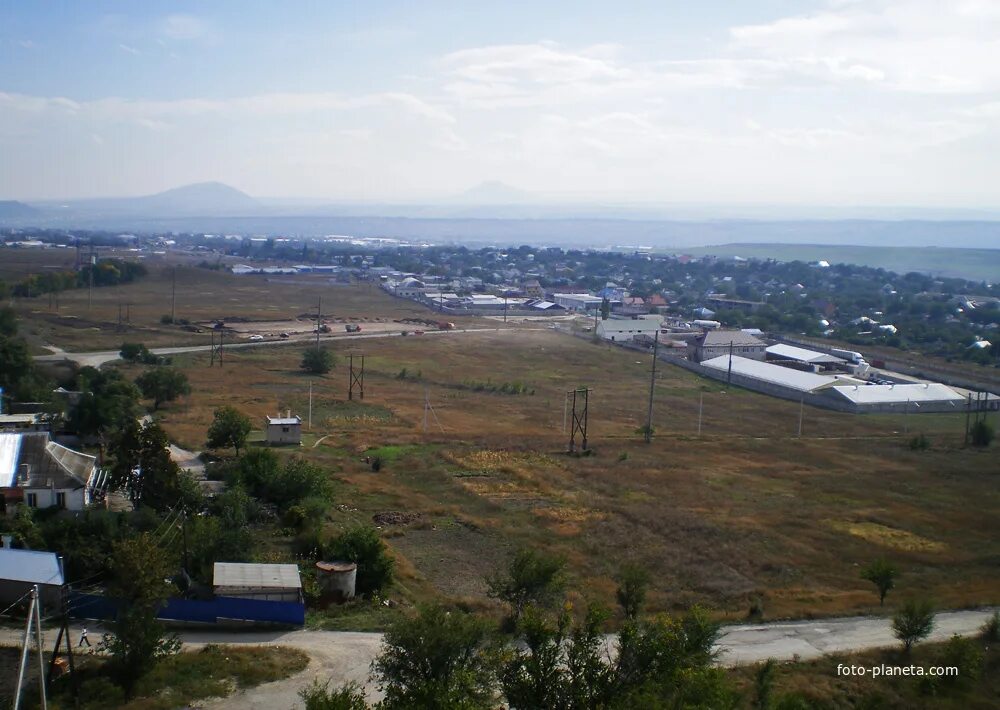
[(284, 421), (899, 394), (256, 576), (775, 374), (790, 352), (30, 566)]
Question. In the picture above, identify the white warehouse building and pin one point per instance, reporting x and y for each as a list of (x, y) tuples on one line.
[(624, 330)]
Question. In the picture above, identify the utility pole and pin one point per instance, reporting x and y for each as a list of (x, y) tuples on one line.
[(310, 406), (729, 373), (319, 310), (968, 415), (41, 651), (802, 406), (184, 536), (648, 434), (173, 296)]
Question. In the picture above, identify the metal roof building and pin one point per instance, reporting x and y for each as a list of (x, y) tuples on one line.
[(257, 581), (790, 352), (926, 393), (772, 374), (20, 570)]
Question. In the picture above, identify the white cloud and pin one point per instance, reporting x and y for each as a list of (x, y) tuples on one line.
[(183, 27), (127, 48), (919, 46)]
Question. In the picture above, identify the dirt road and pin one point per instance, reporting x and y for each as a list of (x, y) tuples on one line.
[(100, 357), (343, 656)]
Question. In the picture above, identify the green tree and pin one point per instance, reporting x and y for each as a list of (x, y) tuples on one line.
[(667, 662), (913, 622), (156, 482), (557, 667), (138, 640), (882, 574), (605, 309), (438, 660), (163, 384), (364, 546), (633, 583), (134, 352), (124, 447), (317, 360), (230, 428), (531, 578), (107, 402)]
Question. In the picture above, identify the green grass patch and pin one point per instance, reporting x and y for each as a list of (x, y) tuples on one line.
[(213, 671), (357, 615)]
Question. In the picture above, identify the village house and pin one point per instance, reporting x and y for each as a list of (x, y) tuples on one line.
[(40, 473), (713, 343)]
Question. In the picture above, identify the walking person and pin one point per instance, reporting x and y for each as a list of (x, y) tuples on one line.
[(83, 638)]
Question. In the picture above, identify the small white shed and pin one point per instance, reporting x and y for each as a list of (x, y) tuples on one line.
[(283, 430)]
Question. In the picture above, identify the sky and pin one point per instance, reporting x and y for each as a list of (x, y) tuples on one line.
[(780, 102)]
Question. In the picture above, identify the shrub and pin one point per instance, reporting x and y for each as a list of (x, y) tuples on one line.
[(965, 655), (531, 577), (364, 546), (317, 360), (913, 622), (319, 696), (982, 433), (633, 582), (991, 629), (756, 610), (920, 443), (166, 319), (376, 463)]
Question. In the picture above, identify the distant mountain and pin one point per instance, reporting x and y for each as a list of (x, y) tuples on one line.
[(200, 198), (494, 192), (204, 199), (12, 209)]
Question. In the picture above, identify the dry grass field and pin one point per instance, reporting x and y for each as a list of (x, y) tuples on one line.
[(745, 510), (202, 295)]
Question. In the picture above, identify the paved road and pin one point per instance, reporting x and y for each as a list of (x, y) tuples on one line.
[(100, 357), (343, 656)]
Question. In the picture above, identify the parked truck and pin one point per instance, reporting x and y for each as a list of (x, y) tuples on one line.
[(352, 328)]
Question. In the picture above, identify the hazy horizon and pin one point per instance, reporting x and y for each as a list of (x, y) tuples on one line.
[(887, 103)]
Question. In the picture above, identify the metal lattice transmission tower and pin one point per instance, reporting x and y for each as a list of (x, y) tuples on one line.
[(357, 378), (579, 418), (216, 351)]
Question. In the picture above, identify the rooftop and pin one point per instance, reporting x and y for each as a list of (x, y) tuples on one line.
[(30, 566), (284, 421), (724, 337), (790, 352), (775, 374), (899, 394), (47, 462), (248, 574)]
